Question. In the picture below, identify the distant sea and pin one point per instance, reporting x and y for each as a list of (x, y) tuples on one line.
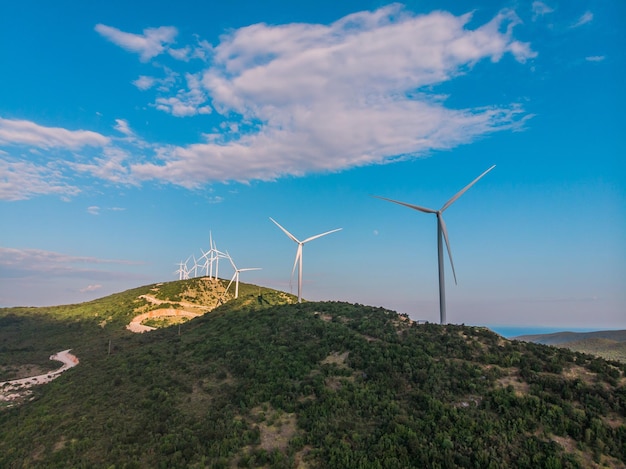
[(515, 331)]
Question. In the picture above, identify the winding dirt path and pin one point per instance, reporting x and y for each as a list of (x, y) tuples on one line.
[(14, 389), (136, 326), (190, 312)]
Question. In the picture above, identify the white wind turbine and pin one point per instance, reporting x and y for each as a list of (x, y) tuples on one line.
[(236, 275), (195, 267), (298, 260), (207, 262), (442, 232), (214, 257), (180, 271), (186, 270)]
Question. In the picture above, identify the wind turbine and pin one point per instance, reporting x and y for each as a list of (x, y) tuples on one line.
[(186, 270), (180, 271), (298, 260), (195, 267), (207, 262), (442, 232), (215, 256), (236, 275)]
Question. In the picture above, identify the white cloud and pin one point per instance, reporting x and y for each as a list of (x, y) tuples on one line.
[(203, 50), (53, 155), (111, 165), (181, 54), (187, 102), (595, 58), (587, 17), (22, 132), (95, 210), (21, 180), (151, 43), (324, 98), (144, 82), (540, 9), (90, 288), (121, 125)]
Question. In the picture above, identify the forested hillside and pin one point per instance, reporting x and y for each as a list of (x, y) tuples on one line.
[(260, 383)]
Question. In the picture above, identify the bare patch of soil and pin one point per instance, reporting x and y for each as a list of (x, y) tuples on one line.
[(276, 427), (336, 358), (578, 372), (521, 388)]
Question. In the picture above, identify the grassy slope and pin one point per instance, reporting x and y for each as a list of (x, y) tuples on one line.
[(260, 383), (610, 345)]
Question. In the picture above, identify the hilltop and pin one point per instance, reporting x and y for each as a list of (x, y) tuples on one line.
[(610, 345), (261, 382)]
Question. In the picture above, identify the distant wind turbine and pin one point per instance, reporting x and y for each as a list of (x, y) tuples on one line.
[(236, 275), (442, 232), (212, 257), (186, 270), (298, 260), (195, 267), (207, 262), (180, 271)]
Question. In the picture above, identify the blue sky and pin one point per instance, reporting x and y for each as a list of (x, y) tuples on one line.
[(130, 130)]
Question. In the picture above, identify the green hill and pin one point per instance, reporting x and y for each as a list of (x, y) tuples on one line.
[(610, 345), (261, 382)]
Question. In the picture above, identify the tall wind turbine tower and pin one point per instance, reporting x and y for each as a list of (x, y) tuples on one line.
[(442, 232), (298, 260)]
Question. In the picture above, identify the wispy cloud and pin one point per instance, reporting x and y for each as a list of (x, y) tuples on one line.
[(151, 43), (586, 17), (121, 125), (96, 210), (540, 9), (90, 288), (23, 132), (21, 180), (36, 262), (187, 102), (595, 58)]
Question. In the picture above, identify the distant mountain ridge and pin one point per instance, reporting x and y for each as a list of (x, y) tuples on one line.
[(557, 338), (610, 345)]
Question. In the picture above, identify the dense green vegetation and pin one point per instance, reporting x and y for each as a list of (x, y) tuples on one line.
[(257, 382)]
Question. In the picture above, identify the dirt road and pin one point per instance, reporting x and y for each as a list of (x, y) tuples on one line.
[(10, 390)]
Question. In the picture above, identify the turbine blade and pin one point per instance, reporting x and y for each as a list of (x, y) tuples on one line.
[(445, 237), (298, 256), (462, 191), (320, 235), (231, 261), (285, 231), (230, 283), (414, 207)]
